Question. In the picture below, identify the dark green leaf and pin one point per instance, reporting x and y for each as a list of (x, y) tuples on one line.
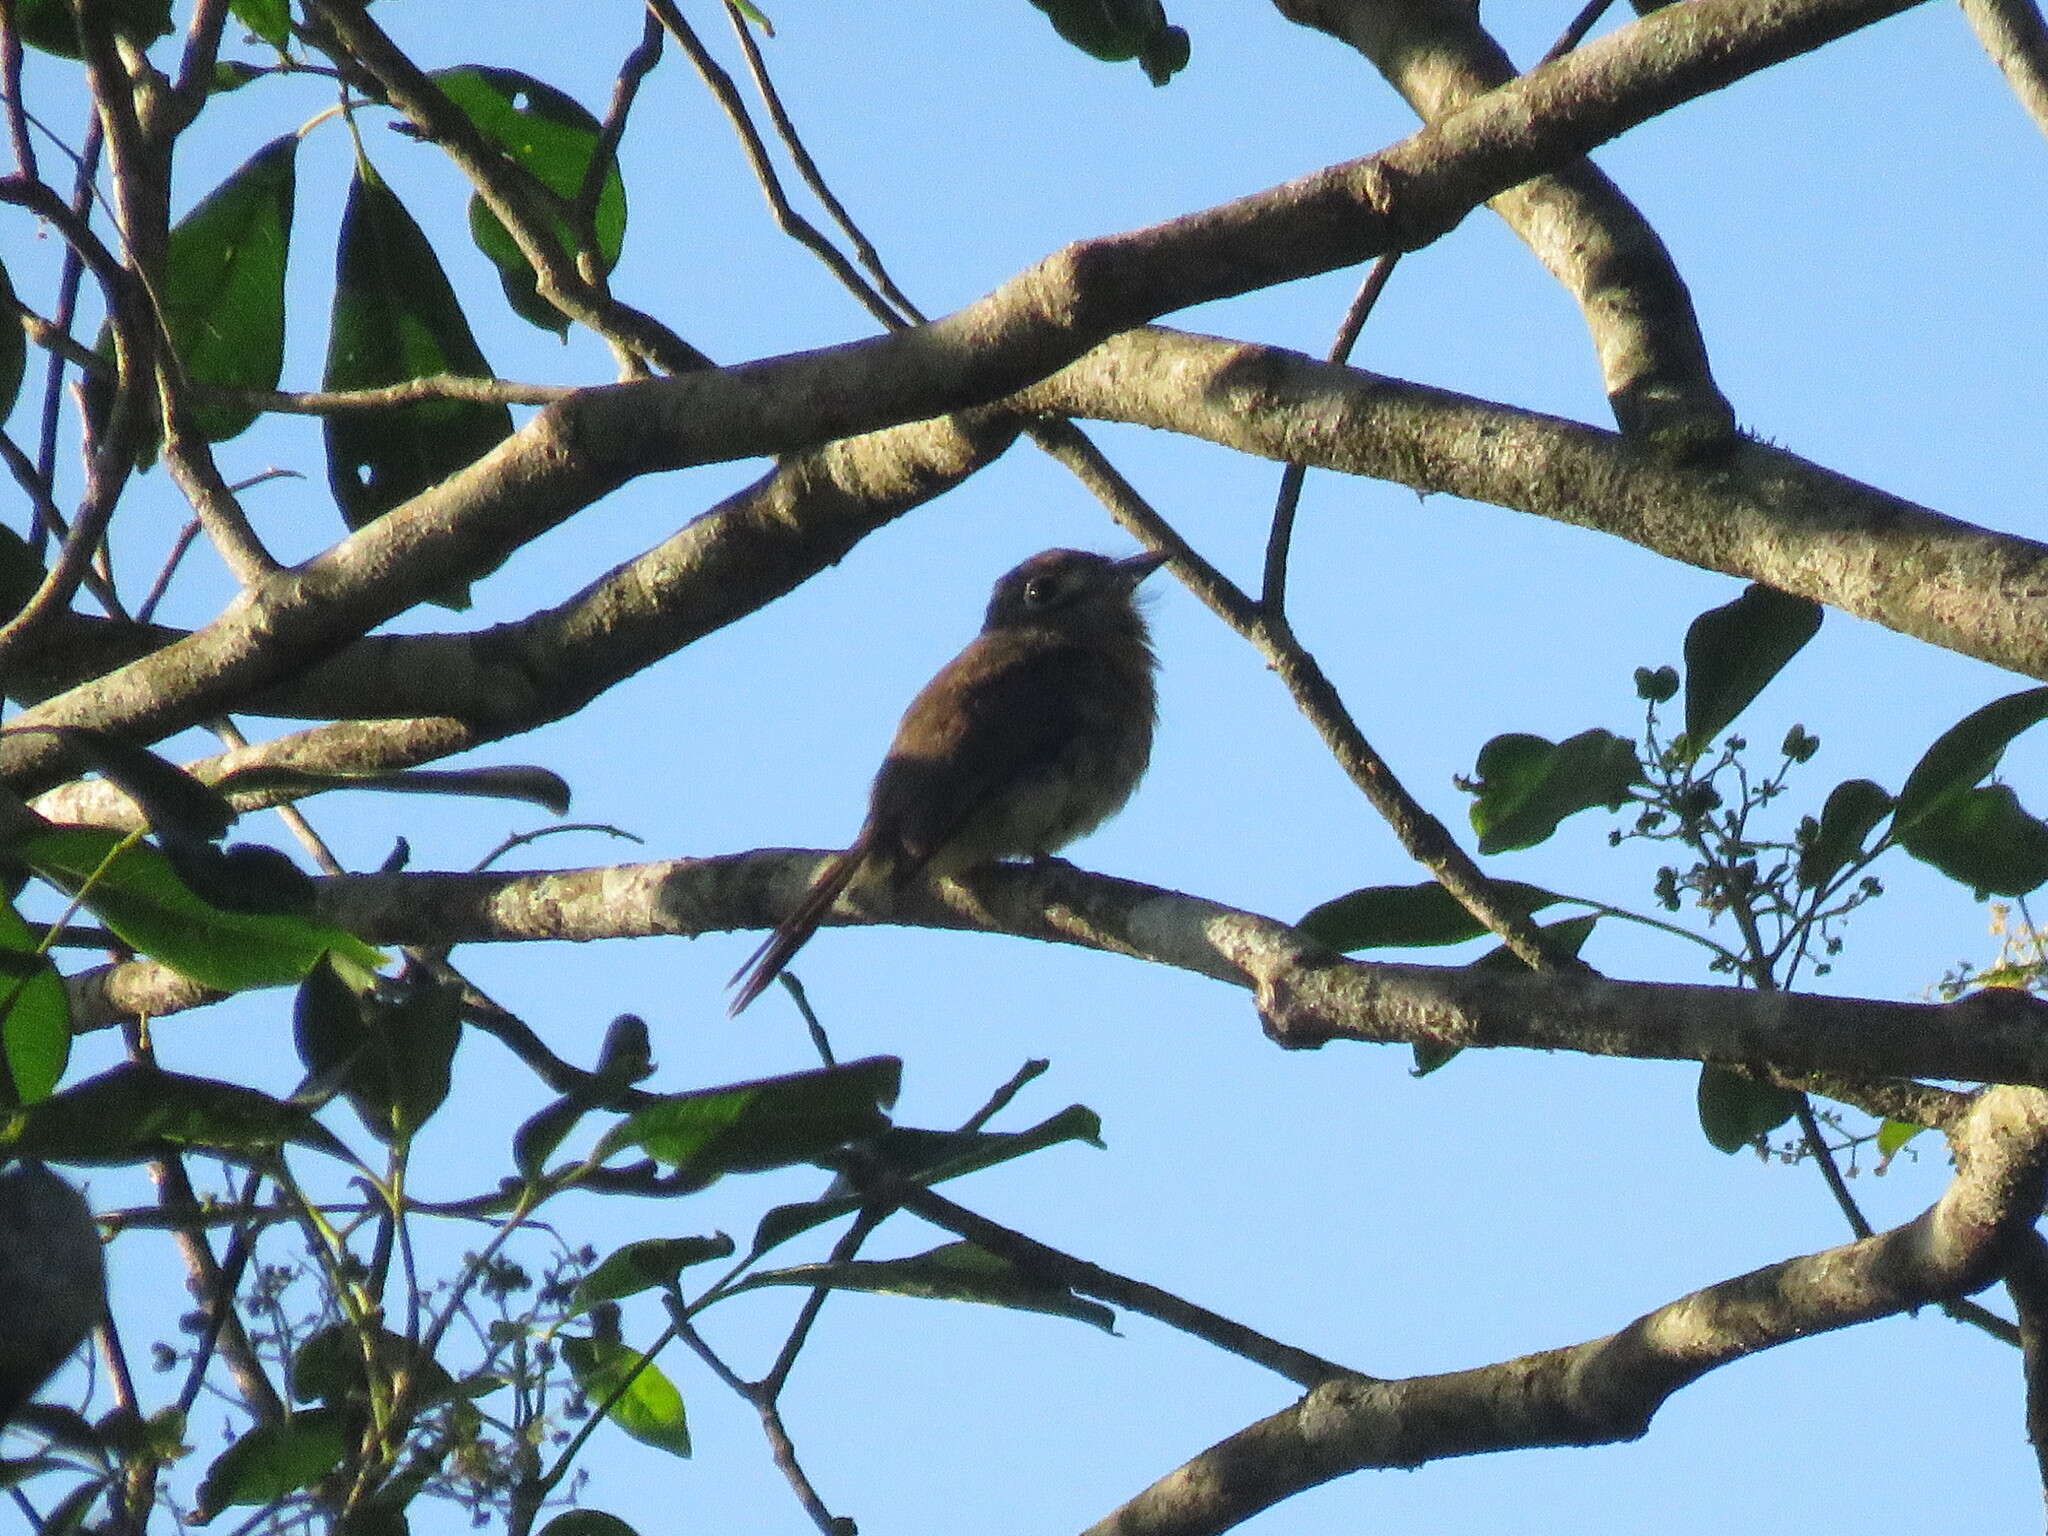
[(651, 1411), (1527, 785), (955, 1272), (627, 1055), (328, 1366), (587, 1522), (68, 1516), (1405, 916), (396, 318), (756, 15), (641, 1266), (141, 898), (388, 1048), (544, 1130), (48, 24), (1658, 685), (175, 804), (1735, 1108), (35, 1014), (513, 781), (13, 347), (275, 1459), (233, 74), (1853, 810), (1114, 30), (1732, 651), (242, 877), (136, 1112), (1984, 838), (929, 1157), (223, 284), (268, 19), (1967, 752), (767, 1124), (552, 137)]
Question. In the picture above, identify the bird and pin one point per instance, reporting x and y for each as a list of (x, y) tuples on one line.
[(1032, 736)]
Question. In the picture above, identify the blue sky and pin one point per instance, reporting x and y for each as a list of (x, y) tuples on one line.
[(1862, 231)]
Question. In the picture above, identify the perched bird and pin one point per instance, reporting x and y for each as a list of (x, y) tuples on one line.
[(1035, 734)]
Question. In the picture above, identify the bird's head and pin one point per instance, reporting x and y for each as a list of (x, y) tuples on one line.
[(1071, 589)]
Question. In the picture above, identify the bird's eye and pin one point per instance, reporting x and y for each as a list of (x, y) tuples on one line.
[(1039, 591)]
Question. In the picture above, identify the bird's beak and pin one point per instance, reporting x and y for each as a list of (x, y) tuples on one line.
[(1137, 567)]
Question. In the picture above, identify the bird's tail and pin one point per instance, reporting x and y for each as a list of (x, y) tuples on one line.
[(794, 931)]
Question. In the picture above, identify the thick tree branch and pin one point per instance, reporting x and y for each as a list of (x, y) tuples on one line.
[(1608, 1389), (577, 450), (1576, 221), (2015, 36), (1759, 512), (1307, 996)]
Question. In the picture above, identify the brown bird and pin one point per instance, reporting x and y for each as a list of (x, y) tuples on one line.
[(1035, 734)]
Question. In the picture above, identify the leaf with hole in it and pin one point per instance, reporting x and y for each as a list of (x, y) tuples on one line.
[(275, 1459), (650, 1410), (51, 26), (13, 346), (1735, 1109), (35, 1014), (396, 318), (1733, 651), (136, 1112), (928, 1157), (1524, 785), (270, 20), (954, 1272), (389, 1050), (643, 1265), (1409, 916), (1968, 752), (223, 285), (552, 137), (142, 899), (1983, 838), (746, 1127), (1853, 810)]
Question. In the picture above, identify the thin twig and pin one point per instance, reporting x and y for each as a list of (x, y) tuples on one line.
[(1575, 34), (787, 219), (1273, 588)]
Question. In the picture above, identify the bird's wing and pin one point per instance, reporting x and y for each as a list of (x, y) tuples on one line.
[(998, 715)]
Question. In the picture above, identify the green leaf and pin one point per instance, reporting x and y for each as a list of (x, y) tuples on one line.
[(768, 1124), (388, 1048), (223, 284), (587, 1522), (1408, 916), (651, 1411), (275, 1459), (136, 1112), (13, 346), (552, 137), (955, 1272), (329, 1366), (512, 781), (395, 318), (1114, 30), (929, 1157), (1656, 686), (1735, 1108), (35, 1014), (1893, 1135), (1732, 651), (1984, 838), (641, 1266), (268, 19), (49, 25), (1527, 785), (142, 899), (1967, 752), (1853, 810)]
